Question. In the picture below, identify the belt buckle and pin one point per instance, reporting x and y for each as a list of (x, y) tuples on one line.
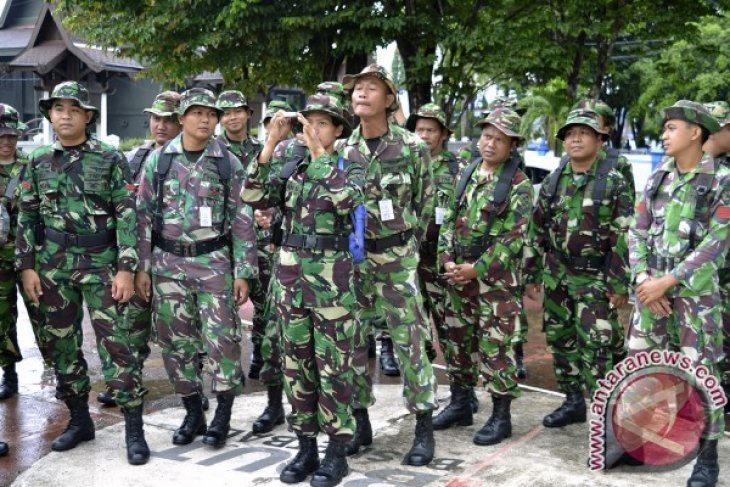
[(71, 240), (310, 241), (191, 250)]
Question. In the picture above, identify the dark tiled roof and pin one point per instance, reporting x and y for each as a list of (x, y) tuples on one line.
[(42, 57)]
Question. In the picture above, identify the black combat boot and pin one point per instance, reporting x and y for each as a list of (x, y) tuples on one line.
[(106, 397), (274, 412), (9, 384), (474, 401), (499, 424), (388, 362), (4, 448), (306, 461), (458, 412), (573, 410), (137, 450), (706, 470), (221, 424), (80, 426), (423, 444), (520, 361), (257, 361), (363, 432), (334, 465), (194, 422)]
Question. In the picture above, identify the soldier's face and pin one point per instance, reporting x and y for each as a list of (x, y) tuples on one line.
[(582, 142), (432, 133), (679, 135), (235, 119), (494, 145), (719, 142), (370, 97), (199, 123), (163, 128), (8, 144), (69, 120), (325, 129)]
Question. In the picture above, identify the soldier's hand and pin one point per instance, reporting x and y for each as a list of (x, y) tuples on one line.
[(263, 218), (533, 291), (143, 285), (311, 138), (660, 307), (618, 300), (463, 273), (31, 285), (653, 289), (123, 286), (279, 127), (240, 291)]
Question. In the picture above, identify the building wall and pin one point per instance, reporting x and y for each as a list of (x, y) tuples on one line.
[(125, 104)]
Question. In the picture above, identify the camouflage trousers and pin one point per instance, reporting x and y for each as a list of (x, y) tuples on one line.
[(435, 298), (266, 331), (318, 348), (9, 287), (139, 315), (61, 307), (583, 333), (387, 282), (193, 316), (694, 329), (482, 325), (725, 363)]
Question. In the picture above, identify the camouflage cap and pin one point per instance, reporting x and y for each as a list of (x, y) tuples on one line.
[(429, 110), (582, 117), (165, 104), (330, 105), (378, 71), (10, 123), (201, 97), (720, 110), (331, 88), (505, 120), (232, 99), (692, 112), (69, 90), (600, 107), (276, 106), (503, 102)]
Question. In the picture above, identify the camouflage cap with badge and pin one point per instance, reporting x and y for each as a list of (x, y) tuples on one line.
[(10, 123), (429, 110), (233, 99), (692, 112), (329, 105), (379, 72), (69, 90), (582, 117), (165, 104), (505, 120), (720, 110), (200, 97)]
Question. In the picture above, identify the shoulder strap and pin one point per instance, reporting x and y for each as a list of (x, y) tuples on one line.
[(702, 185), (136, 164), (299, 153), (13, 184), (453, 164), (605, 166), (163, 167), (501, 191), (551, 187), (465, 177)]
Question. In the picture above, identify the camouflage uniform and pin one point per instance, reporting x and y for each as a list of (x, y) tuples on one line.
[(675, 233), (273, 107), (572, 261)]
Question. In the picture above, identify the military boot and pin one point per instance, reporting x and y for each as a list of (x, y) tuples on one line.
[(499, 424), (334, 465), (106, 397), (573, 410), (274, 412), (9, 385), (520, 361), (305, 463), (474, 401), (194, 422), (423, 444), (458, 412), (137, 450), (4, 448), (388, 362), (221, 424), (257, 361), (80, 426), (706, 470), (363, 432), (371, 346)]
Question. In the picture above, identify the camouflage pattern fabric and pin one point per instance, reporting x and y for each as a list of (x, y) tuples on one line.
[(692, 112), (625, 168), (429, 110), (724, 277), (349, 80), (83, 191), (720, 110), (398, 171), (165, 104), (10, 123), (232, 99), (200, 97), (661, 229), (588, 118), (69, 90), (581, 327), (600, 107), (275, 106), (483, 319)]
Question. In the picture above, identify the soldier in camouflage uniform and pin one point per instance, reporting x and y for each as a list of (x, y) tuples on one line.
[(76, 243), (577, 249), (480, 249), (12, 166), (678, 244), (197, 240), (399, 203), (272, 108), (313, 287)]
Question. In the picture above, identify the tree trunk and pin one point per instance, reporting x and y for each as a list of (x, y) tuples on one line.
[(574, 76)]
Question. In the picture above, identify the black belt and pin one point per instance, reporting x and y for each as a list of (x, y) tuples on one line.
[(428, 249), (66, 240), (320, 242), (381, 244), (664, 264), (192, 249), (470, 251), (578, 263)]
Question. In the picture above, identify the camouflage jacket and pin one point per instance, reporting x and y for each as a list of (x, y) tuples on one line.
[(187, 188), (662, 227), (315, 200), (624, 167), (465, 225), (7, 173), (398, 171), (130, 155), (83, 191), (569, 233), (246, 151)]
